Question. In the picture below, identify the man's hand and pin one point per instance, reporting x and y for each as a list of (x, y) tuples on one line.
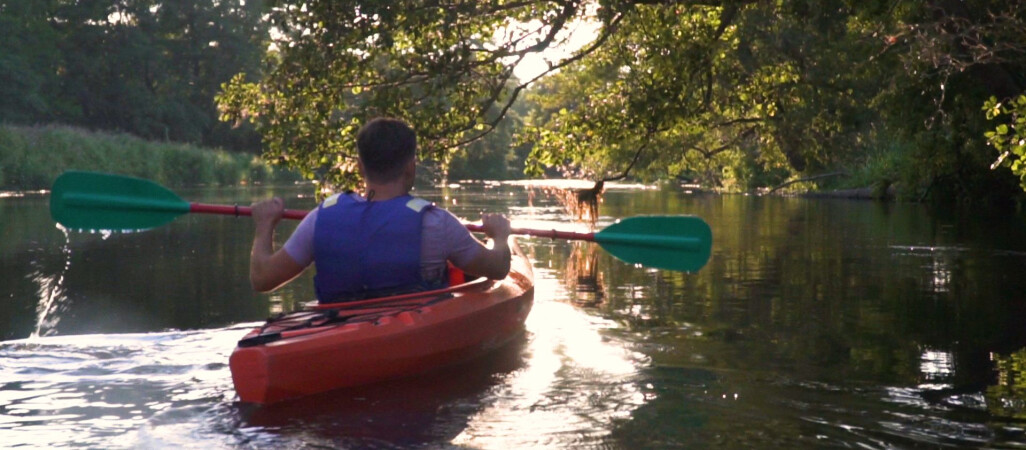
[(495, 226), (493, 262), (267, 214)]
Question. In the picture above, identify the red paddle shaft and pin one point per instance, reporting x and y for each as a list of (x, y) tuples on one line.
[(569, 235), (236, 210)]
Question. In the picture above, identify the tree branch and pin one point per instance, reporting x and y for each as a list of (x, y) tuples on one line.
[(733, 142), (607, 31), (637, 156), (810, 178)]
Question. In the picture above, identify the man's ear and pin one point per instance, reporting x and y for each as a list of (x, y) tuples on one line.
[(411, 168)]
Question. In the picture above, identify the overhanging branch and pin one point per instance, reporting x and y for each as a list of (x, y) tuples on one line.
[(490, 126)]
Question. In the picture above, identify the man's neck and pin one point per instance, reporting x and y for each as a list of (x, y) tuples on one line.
[(377, 192)]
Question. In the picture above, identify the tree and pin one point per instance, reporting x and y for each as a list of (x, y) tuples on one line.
[(339, 62), (1009, 138), (984, 46), (737, 93), (952, 56), (677, 91), (494, 157), (29, 63), (142, 66), (697, 84)]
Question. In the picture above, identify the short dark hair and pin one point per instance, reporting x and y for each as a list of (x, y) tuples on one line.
[(385, 145)]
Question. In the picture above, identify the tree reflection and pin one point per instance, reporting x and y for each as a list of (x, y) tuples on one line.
[(583, 277), (581, 204), (1007, 397)]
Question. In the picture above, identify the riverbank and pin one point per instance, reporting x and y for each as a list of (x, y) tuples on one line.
[(32, 157)]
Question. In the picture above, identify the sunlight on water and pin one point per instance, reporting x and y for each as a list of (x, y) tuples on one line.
[(141, 390), (104, 234), (575, 377), (937, 368), (51, 291), (939, 264), (580, 184), (19, 194)]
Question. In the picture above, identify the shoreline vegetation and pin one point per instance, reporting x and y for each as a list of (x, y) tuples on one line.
[(31, 158)]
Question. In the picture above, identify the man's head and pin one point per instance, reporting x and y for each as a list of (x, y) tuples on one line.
[(385, 146)]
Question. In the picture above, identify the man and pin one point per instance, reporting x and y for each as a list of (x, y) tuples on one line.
[(383, 244)]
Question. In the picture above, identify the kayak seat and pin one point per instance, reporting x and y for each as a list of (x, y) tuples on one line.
[(456, 276)]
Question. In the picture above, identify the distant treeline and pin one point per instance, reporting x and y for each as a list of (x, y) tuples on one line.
[(147, 68), (151, 70), (32, 157)]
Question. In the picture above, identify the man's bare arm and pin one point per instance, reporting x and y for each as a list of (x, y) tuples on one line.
[(269, 269), (493, 262)]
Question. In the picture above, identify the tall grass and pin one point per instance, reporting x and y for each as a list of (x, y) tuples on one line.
[(32, 157), (892, 164)]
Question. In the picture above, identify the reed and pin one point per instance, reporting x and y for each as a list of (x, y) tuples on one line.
[(31, 157)]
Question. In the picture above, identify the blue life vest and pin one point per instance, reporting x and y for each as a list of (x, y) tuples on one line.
[(365, 249)]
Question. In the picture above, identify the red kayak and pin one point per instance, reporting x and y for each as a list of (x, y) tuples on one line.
[(350, 344)]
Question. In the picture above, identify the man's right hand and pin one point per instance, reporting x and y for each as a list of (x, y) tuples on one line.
[(495, 226), (493, 262), (267, 213)]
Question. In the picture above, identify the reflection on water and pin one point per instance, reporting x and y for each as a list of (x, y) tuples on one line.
[(815, 324), (937, 264), (55, 388), (433, 407), (582, 275), (937, 368), (1006, 398), (575, 379), (51, 290)]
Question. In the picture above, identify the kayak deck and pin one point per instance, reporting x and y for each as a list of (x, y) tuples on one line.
[(358, 343)]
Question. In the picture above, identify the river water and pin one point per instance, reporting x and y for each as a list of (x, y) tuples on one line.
[(816, 323)]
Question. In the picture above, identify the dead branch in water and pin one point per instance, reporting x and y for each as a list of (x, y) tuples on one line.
[(814, 177)]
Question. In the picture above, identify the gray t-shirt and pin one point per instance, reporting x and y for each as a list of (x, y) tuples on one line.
[(443, 238)]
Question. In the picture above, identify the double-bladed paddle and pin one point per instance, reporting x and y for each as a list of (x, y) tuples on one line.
[(99, 201)]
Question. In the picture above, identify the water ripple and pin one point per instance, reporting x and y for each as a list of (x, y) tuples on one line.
[(109, 384)]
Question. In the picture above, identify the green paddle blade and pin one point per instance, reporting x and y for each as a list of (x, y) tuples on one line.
[(680, 243), (99, 201)]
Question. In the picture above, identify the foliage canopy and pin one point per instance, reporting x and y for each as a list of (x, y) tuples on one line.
[(735, 93), (434, 64)]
